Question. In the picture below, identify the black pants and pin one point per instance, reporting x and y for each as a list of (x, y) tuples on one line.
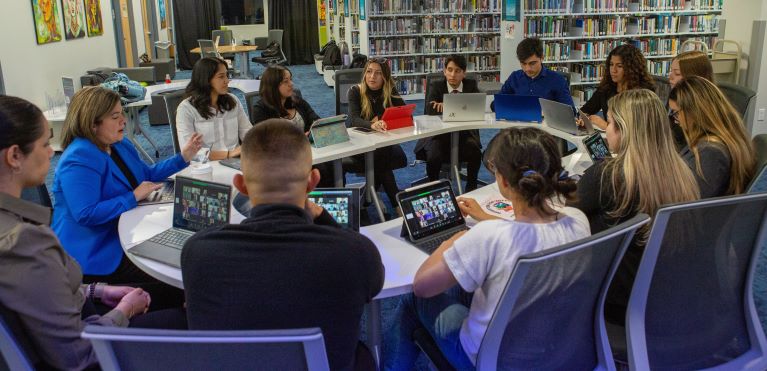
[(469, 151), (169, 319), (127, 274)]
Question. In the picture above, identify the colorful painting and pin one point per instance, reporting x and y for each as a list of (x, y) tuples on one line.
[(47, 21), (74, 19), (163, 18), (93, 17)]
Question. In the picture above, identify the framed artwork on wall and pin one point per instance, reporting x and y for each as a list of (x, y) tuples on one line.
[(95, 25), (163, 17), (47, 21), (74, 19)]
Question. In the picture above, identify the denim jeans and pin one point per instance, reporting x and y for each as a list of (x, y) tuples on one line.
[(442, 316)]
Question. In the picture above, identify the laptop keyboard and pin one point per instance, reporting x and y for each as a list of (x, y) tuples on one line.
[(430, 245), (172, 238)]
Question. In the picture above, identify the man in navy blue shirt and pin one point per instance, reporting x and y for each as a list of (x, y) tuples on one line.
[(535, 80)]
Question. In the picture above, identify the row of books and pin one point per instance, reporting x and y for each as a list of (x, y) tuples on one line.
[(546, 27), (474, 63), (650, 5), (461, 43), (616, 26), (404, 45), (397, 7), (581, 94), (659, 68), (596, 50), (587, 72), (436, 24), (417, 84), (672, 24), (704, 23), (607, 6)]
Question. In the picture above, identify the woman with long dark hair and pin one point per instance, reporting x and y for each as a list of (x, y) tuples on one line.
[(279, 100), (210, 110)]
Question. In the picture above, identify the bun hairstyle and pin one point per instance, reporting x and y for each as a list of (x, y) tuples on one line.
[(529, 159)]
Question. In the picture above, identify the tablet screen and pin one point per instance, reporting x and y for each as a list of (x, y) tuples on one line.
[(597, 147), (340, 203), (430, 210)]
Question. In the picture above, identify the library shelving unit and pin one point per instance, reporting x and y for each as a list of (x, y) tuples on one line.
[(352, 20), (330, 14), (578, 34), (417, 35)]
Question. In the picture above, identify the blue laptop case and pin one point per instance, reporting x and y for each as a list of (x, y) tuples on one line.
[(524, 108)]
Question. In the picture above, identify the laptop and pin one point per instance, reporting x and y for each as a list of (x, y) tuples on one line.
[(198, 204), (163, 195), (343, 204), (431, 214), (523, 108), (463, 107), (560, 116)]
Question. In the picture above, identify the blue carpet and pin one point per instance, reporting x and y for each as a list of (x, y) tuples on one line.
[(322, 99)]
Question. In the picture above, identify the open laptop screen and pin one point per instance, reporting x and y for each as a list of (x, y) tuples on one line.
[(341, 203), (199, 204), (430, 210)]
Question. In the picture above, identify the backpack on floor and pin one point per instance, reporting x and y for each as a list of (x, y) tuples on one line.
[(332, 56), (326, 46)]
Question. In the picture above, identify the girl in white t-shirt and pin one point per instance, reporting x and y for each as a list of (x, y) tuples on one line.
[(528, 171)]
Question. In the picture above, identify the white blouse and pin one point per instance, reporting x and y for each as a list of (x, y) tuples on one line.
[(222, 132)]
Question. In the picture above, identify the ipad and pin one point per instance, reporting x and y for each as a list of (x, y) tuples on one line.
[(328, 131), (596, 146), (399, 116), (341, 203), (430, 212)]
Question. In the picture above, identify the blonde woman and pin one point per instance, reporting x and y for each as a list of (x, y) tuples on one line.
[(646, 173), (718, 150), (367, 102), (688, 64)]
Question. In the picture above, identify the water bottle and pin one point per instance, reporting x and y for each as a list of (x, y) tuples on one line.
[(167, 78)]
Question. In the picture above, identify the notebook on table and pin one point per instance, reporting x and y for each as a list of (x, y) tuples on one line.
[(430, 214), (524, 108), (561, 117), (463, 107), (197, 205), (343, 204)]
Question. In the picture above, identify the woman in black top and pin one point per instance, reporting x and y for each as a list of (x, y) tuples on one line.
[(367, 102), (279, 100), (626, 69)]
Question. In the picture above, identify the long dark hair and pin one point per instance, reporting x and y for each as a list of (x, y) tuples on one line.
[(634, 69), (198, 90), (21, 123), (529, 159), (270, 90)]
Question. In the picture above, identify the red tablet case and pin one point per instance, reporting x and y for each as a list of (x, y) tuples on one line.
[(398, 117)]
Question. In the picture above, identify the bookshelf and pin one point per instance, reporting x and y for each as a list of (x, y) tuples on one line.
[(578, 34), (416, 36)]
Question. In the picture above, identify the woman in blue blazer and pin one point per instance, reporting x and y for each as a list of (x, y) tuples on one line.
[(100, 176)]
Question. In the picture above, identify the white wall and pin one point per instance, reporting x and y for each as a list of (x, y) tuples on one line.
[(31, 70), (138, 27)]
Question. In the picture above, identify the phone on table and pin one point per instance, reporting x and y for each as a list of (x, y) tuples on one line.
[(363, 130)]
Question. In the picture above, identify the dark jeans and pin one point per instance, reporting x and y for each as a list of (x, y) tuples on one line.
[(127, 274), (438, 153), (442, 316)]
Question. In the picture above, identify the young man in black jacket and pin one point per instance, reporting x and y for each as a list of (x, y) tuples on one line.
[(288, 265), (436, 150)]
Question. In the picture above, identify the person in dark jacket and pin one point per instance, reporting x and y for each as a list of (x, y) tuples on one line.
[(289, 264), (436, 150)]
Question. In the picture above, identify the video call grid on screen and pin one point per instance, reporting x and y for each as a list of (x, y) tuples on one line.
[(430, 211), (201, 205), (336, 203)]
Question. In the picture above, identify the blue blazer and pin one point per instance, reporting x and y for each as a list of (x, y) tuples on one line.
[(90, 193)]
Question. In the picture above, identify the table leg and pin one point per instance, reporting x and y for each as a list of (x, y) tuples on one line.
[(454, 143), (338, 173), (371, 185), (133, 127), (374, 331)]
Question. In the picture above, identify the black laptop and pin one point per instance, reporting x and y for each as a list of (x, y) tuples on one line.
[(431, 214)]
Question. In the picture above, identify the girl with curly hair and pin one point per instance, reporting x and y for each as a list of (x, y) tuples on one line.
[(627, 69)]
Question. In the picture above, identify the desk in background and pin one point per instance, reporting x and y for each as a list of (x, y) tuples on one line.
[(240, 52)]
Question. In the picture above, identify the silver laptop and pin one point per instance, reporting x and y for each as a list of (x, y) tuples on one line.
[(463, 107), (197, 204), (561, 117)]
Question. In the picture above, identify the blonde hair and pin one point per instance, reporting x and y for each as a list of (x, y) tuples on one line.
[(647, 172), (695, 63), (87, 108), (388, 86), (709, 116)]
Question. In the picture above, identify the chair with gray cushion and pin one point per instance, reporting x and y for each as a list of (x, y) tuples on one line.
[(172, 100), (224, 36), (344, 80), (692, 303), (250, 102), (120, 348), (739, 96), (551, 313), (208, 49)]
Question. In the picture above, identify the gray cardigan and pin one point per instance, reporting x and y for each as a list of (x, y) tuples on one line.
[(715, 162)]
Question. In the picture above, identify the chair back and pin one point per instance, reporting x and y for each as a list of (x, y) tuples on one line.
[(208, 49), (150, 349), (692, 305), (14, 357), (172, 100), (551, 313), (274, 36), (345, 79), (739, 96), (250, 102), (430, 77), (662, 87), (759, 183), (38, 195), (224, 37)]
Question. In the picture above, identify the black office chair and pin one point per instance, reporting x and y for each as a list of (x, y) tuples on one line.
[(662, 87), (275, 37), (759, 183), (344, 80), (38, 195), (250, 101), (172, 100), (739, 96)]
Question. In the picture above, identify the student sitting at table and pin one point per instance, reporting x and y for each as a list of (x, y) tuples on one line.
[(625, 69), (367, 102), (459, 285), (645, 173), (719, 151), (684, 65), (289, 264), (210, 110), (533, 79), (42, 297), (100, 176), (278, 100), (436, 150)]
